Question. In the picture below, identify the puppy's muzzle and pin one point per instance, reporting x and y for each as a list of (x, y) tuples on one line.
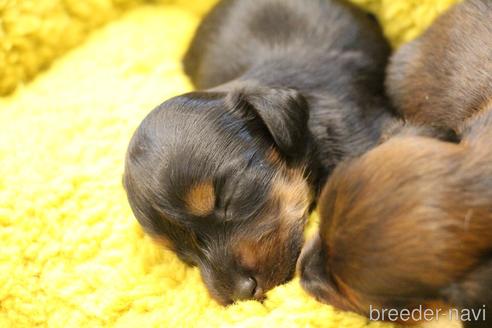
[(247, 288)]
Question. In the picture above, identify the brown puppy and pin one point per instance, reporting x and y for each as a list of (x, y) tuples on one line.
[(409, 224)]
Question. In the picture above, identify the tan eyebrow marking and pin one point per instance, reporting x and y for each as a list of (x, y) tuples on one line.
[(200, 200)]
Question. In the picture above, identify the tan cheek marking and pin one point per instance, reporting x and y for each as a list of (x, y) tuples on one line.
[(200, 200), (247, 254), (293, 195), (257, 254)]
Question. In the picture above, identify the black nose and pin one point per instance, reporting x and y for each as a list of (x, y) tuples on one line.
[(245, 288)]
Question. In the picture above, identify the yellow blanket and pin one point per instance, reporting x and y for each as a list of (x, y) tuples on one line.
[(71, 252)]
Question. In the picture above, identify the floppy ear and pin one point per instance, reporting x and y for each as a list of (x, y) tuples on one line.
[(283, 111)]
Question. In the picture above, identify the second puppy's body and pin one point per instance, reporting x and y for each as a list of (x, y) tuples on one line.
[(409, 223), (226, 175)]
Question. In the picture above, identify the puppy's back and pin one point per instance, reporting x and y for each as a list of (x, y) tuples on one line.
[(239, 33), (412, 247), (445, 75)]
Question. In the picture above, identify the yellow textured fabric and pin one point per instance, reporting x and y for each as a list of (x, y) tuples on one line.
[(72, 255), (34, 32)]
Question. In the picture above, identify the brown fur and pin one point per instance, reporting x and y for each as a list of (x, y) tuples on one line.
[(410, 222), (455, 51), (285, 214), (402, 225)]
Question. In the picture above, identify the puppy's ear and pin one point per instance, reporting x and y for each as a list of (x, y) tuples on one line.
[(283, 111)]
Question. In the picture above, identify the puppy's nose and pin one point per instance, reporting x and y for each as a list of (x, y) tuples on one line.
[(245, 288)]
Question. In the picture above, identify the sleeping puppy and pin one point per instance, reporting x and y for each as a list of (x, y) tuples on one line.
[(226, 176), (409, 223)]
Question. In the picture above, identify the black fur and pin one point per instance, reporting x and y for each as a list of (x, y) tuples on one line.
[(304, 78)]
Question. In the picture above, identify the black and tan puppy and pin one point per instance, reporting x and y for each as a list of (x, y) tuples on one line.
[(226, 176), (409, 223)]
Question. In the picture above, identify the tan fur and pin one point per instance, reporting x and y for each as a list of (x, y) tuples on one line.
[(293, 193), (486, 105), (273, 156), (286, 212), (200, 199)]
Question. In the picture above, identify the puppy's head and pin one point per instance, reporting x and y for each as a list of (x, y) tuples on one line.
[(396, 228), (221, 178)]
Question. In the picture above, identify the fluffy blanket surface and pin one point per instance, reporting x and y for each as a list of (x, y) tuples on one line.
[(85, 73)]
